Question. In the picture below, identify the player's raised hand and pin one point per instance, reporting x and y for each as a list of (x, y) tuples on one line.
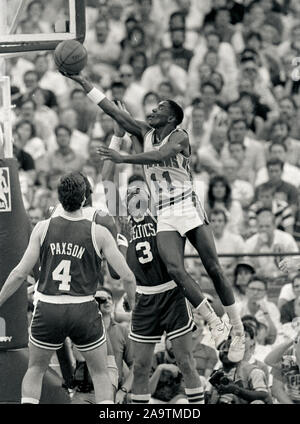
[(289, 264), (110, 154)]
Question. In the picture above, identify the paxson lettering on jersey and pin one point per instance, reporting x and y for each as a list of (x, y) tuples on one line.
[(67, 249), (5, 190), (141, 231)]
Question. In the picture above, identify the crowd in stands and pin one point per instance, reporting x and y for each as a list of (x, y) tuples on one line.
[(234, 66)]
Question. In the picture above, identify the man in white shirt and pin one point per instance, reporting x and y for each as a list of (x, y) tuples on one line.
[(290, 174), (257, 305), (79, 140), (225, 241), (254, 153), (165, 70), (240, 190), (269, 240), (134, 94)]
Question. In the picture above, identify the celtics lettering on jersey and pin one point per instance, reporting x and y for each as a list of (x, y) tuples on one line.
[(142, 254), (170, 181), (68, 258)]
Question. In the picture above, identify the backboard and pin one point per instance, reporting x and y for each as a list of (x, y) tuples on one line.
[(30, 25)]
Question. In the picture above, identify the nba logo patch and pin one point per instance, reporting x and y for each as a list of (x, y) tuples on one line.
[(5, 193)]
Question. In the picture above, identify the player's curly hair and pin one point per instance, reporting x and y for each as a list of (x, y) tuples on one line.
[(71, 191)]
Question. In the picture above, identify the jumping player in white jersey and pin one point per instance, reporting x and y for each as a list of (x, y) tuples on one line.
[(70, 250), (166, 155)]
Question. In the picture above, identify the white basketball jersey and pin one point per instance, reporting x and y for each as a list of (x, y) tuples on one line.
[(170, 181)]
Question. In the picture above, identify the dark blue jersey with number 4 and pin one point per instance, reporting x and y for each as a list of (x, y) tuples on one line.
[(142, 254)]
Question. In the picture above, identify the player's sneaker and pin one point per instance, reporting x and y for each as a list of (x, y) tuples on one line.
[(237, 347), (219, 332)]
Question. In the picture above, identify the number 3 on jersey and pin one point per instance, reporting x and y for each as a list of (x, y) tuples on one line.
[(145, 248), (62, 273)]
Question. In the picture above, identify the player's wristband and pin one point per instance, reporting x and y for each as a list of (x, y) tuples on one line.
[(96, 95), (122, 240), (115, 142)]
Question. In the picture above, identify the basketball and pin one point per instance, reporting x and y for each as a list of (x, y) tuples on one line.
[(70, 56)]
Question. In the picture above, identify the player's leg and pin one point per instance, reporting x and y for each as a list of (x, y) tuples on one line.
[(86, 330), (96, 360), (33, 379), (171, 250), (202, 239), (183, 351), (143, 355)]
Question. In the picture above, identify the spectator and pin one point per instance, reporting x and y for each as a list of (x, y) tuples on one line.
[(284, 219), (219, 196), (210, 156), (245, 383), (79, 140), (134, 92), (139, 63), (254, 153), (290, 174), (64, 159), (204, 355), (165, 69), (102, 45), (85, 110), (241, 190), (34, 24), (257, 305), (31, 82), (285, 362), (50, 80), (291, 309), (226, 242), (181, 56), (28, 141), (237, 151), (280, 133), (289, 291), (284, 190), (269, 240), (242, 273)]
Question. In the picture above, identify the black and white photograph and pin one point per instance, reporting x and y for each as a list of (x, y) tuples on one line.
[(149, 209)]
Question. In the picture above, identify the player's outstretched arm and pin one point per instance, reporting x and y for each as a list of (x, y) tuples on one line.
[(178, 142), (137, 128), (21, 271), (108, 246)]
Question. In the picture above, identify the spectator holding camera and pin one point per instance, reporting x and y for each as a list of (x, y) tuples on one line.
[(239, 383)]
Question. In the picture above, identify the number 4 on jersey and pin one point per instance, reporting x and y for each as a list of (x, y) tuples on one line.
[(62, 273)]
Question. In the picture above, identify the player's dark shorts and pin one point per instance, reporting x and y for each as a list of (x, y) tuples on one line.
[(155, 314), (81, 322)]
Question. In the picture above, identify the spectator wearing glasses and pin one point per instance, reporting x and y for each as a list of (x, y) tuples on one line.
[(134, 92), (257, 305), (289, 291)]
